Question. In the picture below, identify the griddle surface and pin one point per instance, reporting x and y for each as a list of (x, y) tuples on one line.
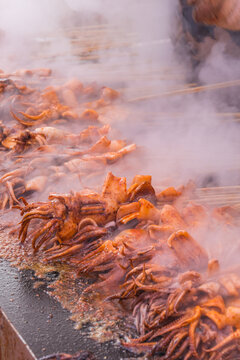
[(41, 320)]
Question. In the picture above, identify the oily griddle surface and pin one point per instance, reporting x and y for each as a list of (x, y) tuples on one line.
[(42, 322)]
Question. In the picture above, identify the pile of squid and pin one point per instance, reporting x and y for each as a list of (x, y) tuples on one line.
[(37, 148), (137, 245)]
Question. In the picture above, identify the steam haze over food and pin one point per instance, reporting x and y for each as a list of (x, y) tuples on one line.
[(180, 137), (131, 47)]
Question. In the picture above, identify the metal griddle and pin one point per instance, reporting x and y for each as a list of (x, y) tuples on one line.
[(41, 321)]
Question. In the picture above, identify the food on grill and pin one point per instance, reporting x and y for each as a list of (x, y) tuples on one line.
[(37, 147), (14, 186), (140, 252), (144, 257), (143, 249), (64, 213)]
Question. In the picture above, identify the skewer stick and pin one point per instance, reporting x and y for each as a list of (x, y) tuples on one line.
[(187, 91), (214, 197), (167, 115)]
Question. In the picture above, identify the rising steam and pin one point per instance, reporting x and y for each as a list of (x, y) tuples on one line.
[(183, 135)]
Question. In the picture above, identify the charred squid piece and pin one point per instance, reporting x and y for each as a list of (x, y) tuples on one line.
[(88, 115), (13, 190), (232, 318), (230, 284), (227, 285), (156, 313), (168, 195), (187, 322), (4, 133), (210, 288), (54, 135), (160, 232), (103, 145), (47, 108), (175, 342), (83, 167), (32, 120), (92, 133), (111, 252), (109, 94), (18, 187), (175, 301), (193, 276), (23, 141), (195, 215), (170, 216), (173, 345), (8, 85), (141, 210), (88, 238), (9, 176), (142, 188), (113, 258), (112, 157), (213, 267), (126, 210), (208, 332), (139, 285), (37, 183), (162, 344), (227, 353), (15, 186), (145, 278), (115, 191), (190, 254), (222, 317), (183, 295), (98, 260), (153, 268), (182, 335), (64, 212)]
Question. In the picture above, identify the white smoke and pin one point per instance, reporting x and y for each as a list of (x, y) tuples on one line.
[(183, 137)]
